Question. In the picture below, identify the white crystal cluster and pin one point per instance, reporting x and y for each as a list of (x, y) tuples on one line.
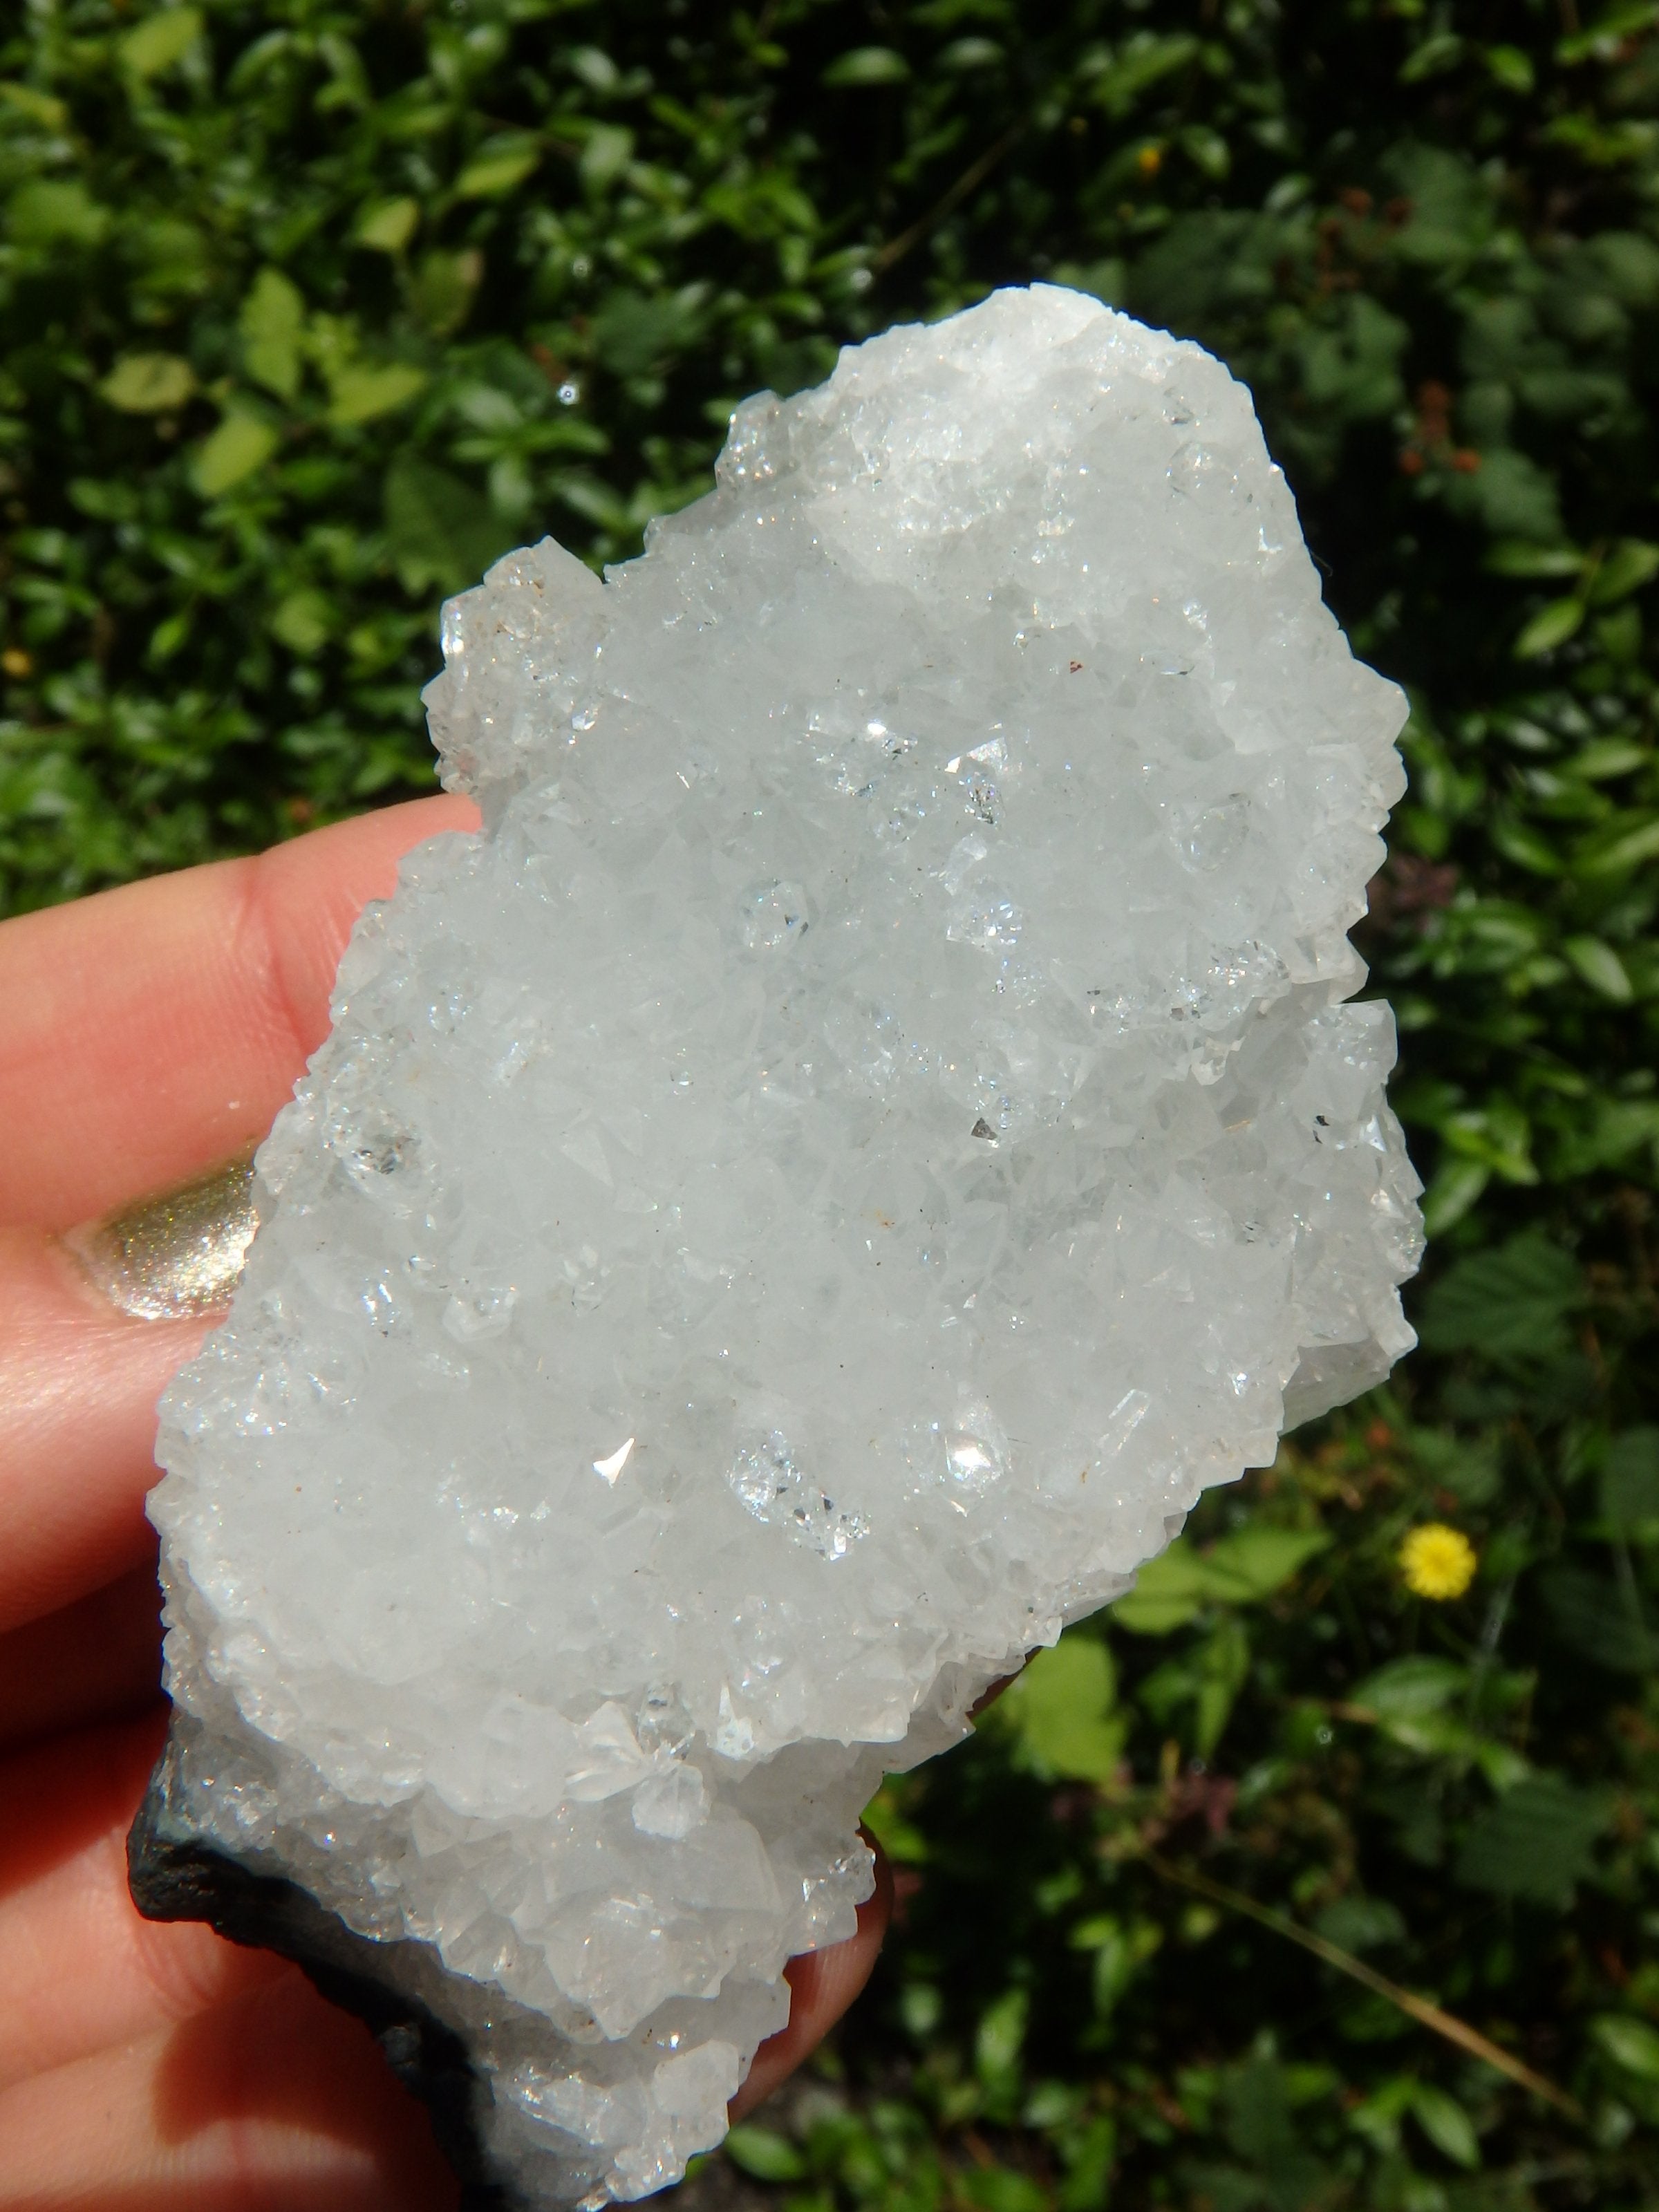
[(795, 1211)]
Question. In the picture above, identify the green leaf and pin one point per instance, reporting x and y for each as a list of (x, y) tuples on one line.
[(1594, 1617), (1446, 2124), (1511, 66), (898, 1835), (439, 529), (634, 332), (764, 2153), (1224, 1668), (1001, 2038), (609, 150), (1360, 1923), (1607, 35), (1552, 626), (39, 107), (1208, 150), (1536, 1842), (866, 65), (362, 394), (963, 54), (442, 292), (165, 39), (1601, 967), (1516, 556), (1240, 1569), (1456, 1186), (1406, 1689), (46, 214), (241, 444), (149, 383), (1253, 1563), (1511, 1303), (1630, 2044), (1631, 563), (1630, 1483), (271, 324), (303, 621), (1630, 849), (1061, 1707), (1170, 1591), (1433, 58), (498, 168), (388, 225), (999, 2189), (1605, 758), (1520, 842)]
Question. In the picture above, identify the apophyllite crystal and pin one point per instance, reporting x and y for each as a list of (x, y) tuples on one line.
[(787, 1217)]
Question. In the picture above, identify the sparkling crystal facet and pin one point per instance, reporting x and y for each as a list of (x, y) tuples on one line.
[(795, 1211)]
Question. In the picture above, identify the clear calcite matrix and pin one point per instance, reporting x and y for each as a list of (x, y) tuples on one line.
[(795, 1211)]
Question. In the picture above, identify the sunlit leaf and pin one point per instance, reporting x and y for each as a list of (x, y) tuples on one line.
[(1441, 51), (362, 394), (388, 225), (303, 621), (1552, 626), (1630, 2044), (498, 168), (241, 444), (271, 322), (1407, 1688), (1446, 2124), (764, 2153), (1253, 1563), (1601, 967), (1511, 67), (164, 40), (1062, 1707), (1170, 1591), (1625, 850), (866, 65), (1631, 564), (149, 383), (1516, 557)]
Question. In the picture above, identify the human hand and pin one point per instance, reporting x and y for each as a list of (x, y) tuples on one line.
[(147, 1035)]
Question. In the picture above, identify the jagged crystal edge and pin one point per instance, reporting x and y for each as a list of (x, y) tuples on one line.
[(795, 1210)]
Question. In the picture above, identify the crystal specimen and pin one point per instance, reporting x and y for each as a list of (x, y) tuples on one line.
[(788, 1216)]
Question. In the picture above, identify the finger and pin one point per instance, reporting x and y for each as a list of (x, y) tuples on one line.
[(274, 2102), (152, 1031), (78, 1386), (822, 1985), (81, 1970), (98, 1659), (84, 1972)]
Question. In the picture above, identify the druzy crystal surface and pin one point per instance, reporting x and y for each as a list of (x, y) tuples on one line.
[(793, 1212)]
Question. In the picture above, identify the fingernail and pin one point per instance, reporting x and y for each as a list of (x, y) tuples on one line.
[(177, 1255)]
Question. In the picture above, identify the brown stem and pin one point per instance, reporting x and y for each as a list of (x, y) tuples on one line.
[(973, 175), (1428, 2015)]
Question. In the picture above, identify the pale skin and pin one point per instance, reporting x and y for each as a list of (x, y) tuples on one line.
[(146, 1035)]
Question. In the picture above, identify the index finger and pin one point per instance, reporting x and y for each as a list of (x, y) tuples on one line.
[(150, 1032)]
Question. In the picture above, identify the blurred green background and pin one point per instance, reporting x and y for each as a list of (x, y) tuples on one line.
[(1288, 1884)]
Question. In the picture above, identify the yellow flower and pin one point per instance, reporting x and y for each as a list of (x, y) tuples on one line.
[(1437, 1561)]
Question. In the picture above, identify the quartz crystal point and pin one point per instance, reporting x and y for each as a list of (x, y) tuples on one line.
[(788, 1216)]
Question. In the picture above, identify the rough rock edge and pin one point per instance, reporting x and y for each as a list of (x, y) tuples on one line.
[(173, 1876)]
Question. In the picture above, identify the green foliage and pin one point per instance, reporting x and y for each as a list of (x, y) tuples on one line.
[(311, 308)]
